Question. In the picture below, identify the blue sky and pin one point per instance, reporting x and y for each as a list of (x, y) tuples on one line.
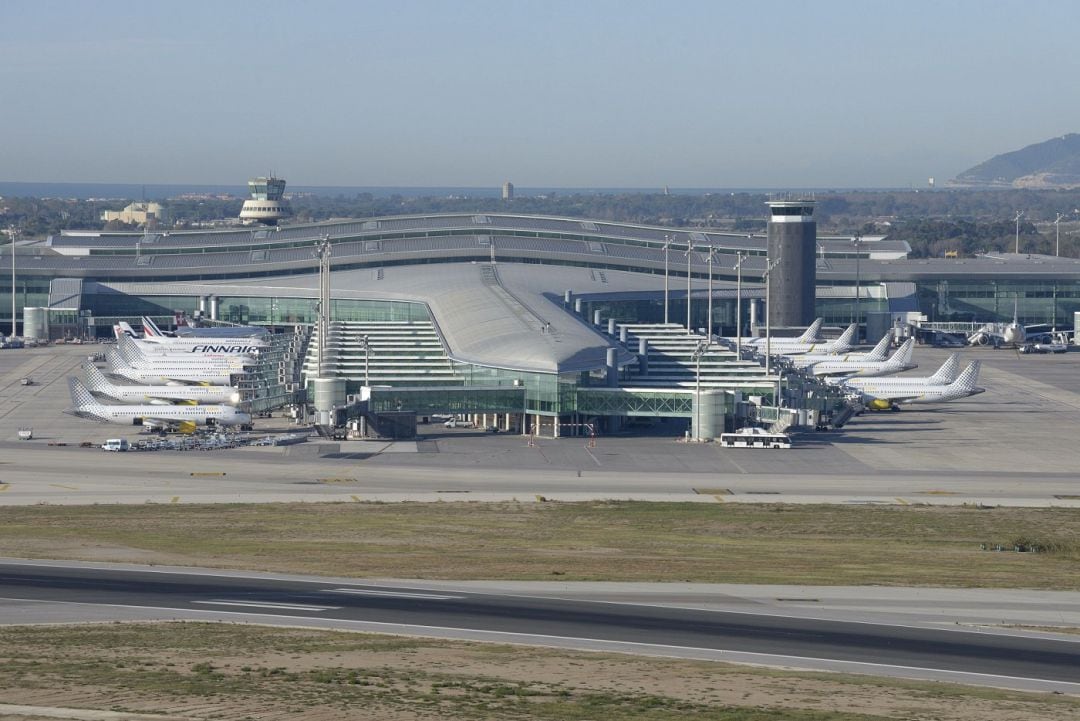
[(592, 93)]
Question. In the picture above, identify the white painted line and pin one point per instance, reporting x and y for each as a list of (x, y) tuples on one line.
[(390, 594), (270, 604)]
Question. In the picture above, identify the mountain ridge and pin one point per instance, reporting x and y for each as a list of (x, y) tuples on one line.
[(1053, 163)]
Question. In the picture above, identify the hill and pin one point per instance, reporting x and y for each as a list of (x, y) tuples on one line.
[(1054, 163)]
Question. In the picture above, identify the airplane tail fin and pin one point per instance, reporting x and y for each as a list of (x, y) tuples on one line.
[(902, 356), (113, 359), (947, 372), (844, 343), (150, 328), (130, 352), (127, 330), (881, 350), (80, 396), (810, 335), (95, 379), (966, 381)]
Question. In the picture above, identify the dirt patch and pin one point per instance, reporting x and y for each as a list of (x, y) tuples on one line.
[(198, 670)]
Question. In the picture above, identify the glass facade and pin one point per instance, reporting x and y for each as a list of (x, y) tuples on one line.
[(1050, 302)]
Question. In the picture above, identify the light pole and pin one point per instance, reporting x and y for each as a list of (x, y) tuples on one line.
[(367, 354), (710, 258), (1057, 234), (13, 232), (667, 246), (701, 349), (857, 242), (738, 301), (768, 314), (689, 256), (322, 251), (1019, 215)]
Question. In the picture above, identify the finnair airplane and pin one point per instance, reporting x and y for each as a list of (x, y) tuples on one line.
[(182, 418), (897, 362), (792, 346), (224, 345), (137, 359), (883, 393), (98, 384), (879, 353), (166, 372)]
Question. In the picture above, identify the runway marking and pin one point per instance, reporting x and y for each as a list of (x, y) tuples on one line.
[(500, 636), (271, 604), (61, 485), (4, 487), (391, 594)]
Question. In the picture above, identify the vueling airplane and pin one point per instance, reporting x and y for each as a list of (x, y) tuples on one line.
[(810, 335), (879, 353), (899, 361), (98, 384), (166, 372), (884, 393), (794, 346), (182, 418)]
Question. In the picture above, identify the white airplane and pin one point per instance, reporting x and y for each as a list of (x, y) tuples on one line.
[(791, 346), (134, 357), (999, 334), (98, 384), (810, 335), (883, 393), (182, 418), (224, 345), (165, 372), (879, 353), (897, 362), (215, 334)]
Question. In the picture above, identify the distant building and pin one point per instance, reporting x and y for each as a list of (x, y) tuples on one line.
[(265, 205), (508, 191), (139, 213)]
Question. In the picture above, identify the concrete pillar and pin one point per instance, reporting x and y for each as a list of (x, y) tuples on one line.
[(643, 354), (753, 316), (213, 307), (568, 298), (578, 307), (624, 334), (597, 319), (611, 326), (202, 304), (612, 368)]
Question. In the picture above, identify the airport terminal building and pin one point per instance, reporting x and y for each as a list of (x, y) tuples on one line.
[(552, 321)]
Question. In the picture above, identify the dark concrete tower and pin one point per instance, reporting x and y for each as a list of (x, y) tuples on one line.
[(792, 239)]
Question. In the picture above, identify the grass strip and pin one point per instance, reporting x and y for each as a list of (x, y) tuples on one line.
[(598, 541)]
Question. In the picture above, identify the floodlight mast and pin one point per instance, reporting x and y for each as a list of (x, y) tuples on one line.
[(1019, 215), (689, 257), (1057, 234), (768, 314), (667, 246), (13, 233), (738, 301)]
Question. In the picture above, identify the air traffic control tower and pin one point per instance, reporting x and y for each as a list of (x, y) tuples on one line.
[(265, 204), (793, 282)]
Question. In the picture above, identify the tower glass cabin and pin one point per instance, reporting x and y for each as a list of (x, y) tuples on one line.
[(265, 204)]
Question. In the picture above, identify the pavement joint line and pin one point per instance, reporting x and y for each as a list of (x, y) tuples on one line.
[(391, 594), (269, 604), (61, 485)]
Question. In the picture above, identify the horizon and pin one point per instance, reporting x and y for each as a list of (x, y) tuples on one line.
[(605, 94)]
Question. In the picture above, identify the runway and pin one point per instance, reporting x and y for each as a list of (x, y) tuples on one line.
[(29, 589)]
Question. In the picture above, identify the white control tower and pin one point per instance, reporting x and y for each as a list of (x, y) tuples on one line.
[(265, 205)]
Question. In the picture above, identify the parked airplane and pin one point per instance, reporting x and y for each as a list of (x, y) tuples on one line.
[(197, 347), (167, 372), (792, 346), (883, 393), (899, 361), (182, 418), (216, 333), (810, 335), (98, 384), (221, 345), (879, 353), (135, 357)]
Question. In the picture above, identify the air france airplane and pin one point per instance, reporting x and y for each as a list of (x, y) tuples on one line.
[(230, 334), (182, 418), (98, 384)]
